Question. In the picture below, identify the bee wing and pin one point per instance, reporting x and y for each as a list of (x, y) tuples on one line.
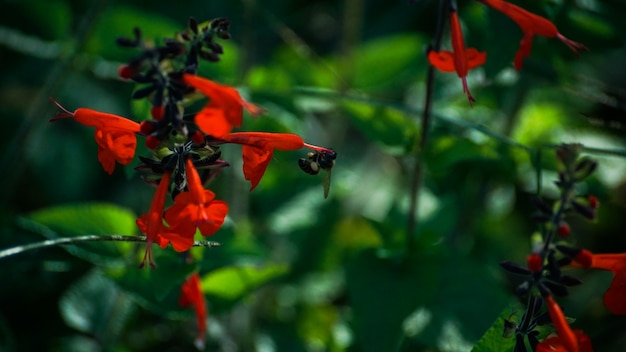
[(327, 183)]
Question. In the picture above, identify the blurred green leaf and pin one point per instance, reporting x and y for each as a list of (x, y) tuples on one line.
[(373, 68), (95, 305), (156, 289), (235, 281), (394, 130), (86, 219), (383, 291)]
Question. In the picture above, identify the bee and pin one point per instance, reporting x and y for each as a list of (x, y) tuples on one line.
[(319, 160)]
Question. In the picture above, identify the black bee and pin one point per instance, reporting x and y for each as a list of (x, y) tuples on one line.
[(319, 160)]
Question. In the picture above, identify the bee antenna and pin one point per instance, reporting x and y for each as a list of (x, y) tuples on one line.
[(64, 113)]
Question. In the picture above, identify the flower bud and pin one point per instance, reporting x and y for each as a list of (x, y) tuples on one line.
[(563, 230), (534, 262)]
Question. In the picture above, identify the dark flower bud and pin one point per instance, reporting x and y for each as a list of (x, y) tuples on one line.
[(144, 92), (568, 153), (216, 48), (209, 56), (584, 210), (193, 25), (556, 289), (584, 168), (568, 280), (514, 268)]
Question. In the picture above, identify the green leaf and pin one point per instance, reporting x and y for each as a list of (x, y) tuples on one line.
[(383, 292), (96, 306), (494, 339), (394, 130), (407, 52), (86, 219), (235, 281), (156, 289)]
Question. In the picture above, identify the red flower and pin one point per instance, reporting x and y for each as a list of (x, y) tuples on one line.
[(151, 224), (191, 294), (114, 134), (224, 109), (258, 148), (531, 25), (460, 59), (195, 208), (614, 298), (566, 340)]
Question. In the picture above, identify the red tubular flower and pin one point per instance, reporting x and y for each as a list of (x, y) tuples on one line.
[(195, 208), (531, 25), (258, 148), (460, 59), (567, 340), (151, 224), (616, 263), (114, 134), (224, 109), (191, 295)]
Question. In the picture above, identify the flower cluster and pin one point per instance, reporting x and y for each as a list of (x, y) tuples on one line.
[(462, 59), (550, 254), (185, 146)]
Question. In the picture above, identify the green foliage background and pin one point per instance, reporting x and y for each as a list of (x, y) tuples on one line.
[(297, 272)]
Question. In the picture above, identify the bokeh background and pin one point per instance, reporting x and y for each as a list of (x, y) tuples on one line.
[(297, 272)]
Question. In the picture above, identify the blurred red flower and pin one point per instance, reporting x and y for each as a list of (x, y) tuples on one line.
[(191, 295)]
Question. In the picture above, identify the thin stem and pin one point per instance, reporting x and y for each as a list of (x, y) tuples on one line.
[(87, 238), (417, 178)]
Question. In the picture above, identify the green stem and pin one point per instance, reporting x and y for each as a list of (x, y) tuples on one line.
[(87, 238)]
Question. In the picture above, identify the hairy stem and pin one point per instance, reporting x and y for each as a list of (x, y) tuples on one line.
[(87, 238)]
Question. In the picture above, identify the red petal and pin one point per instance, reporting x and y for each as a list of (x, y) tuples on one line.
[(105, 121), (614, 298), (191, 294), (443, 60), (255, 162), (475, 58)]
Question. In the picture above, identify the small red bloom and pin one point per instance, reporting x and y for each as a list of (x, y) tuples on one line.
[(614, 298), (531, 25), (567, 338), (224, 109), (191, 295), (555, 343), (195, 208), (593, 201), (258, 149), (534, 262), (114, 134), (460, 59), (563, 230), (151, 224)]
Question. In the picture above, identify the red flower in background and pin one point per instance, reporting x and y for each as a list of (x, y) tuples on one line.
[(191, 295), (195, 208), (258, 149), (566, 340), (531, 25), (460, 59), (615, 296), (224, 109), (114, 134), (151, 224)]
